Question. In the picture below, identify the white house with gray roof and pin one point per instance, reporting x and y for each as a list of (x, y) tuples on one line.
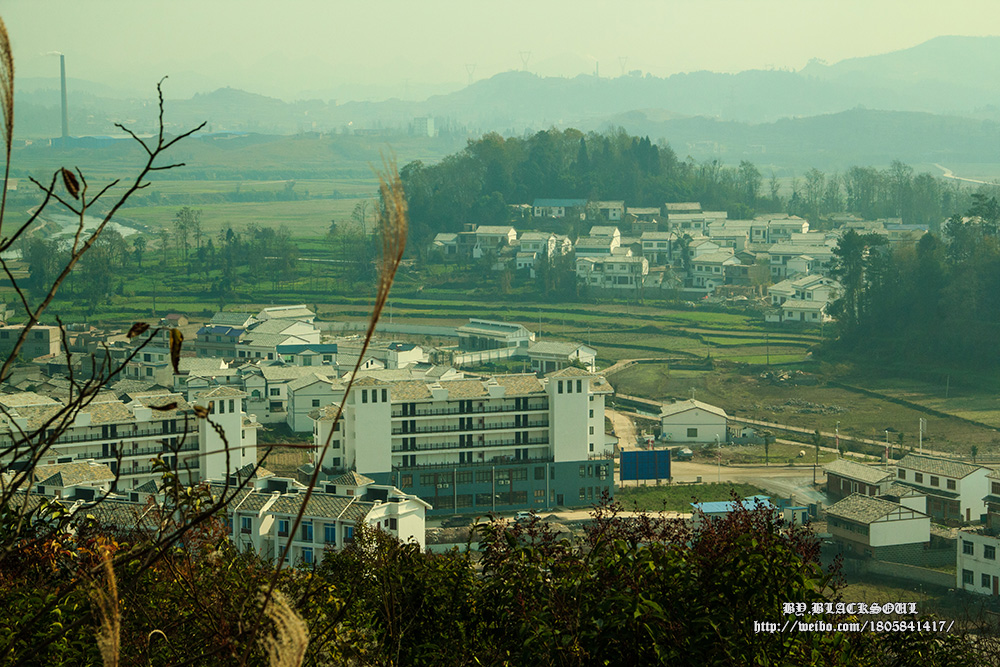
[(845, 477), (491, 335), (693, 421), (955, 489), (548, 356), (877, 528)]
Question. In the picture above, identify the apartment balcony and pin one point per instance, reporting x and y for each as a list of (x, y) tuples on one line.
[(148, 451), (124, 436), (191, 465), (473, 428), (437, 446), (495, 461), (532, 407)]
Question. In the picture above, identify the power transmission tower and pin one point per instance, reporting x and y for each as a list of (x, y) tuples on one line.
[(622, 60), (470, 68), (525, 57)]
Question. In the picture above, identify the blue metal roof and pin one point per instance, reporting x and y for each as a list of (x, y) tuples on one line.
[(727, 506)]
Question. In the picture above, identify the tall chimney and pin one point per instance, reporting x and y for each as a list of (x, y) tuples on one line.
[(65, 115)]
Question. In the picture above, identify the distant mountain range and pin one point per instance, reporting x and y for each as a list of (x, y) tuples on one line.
[(936, 101)]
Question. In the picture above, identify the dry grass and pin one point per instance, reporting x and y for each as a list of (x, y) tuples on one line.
[(286, 647), (105, 598)]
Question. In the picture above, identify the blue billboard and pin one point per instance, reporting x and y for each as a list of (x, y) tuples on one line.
[(645, 464)]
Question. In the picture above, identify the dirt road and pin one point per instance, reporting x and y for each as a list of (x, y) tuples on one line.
[(623, 427)]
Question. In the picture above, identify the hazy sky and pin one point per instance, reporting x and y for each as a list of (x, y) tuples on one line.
[(332, 48)]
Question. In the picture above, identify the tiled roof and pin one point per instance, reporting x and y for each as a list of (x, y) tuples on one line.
[(231, 319), (326, 413), (352, 478), (902, 490), (858, 471), (312, 378), (863, 509), (691, 404), (25, 398), (520, 385), (148, 487), (221, 392), (277, 373), (464, 388), (569, 371), (937, 466), (321, 505), (71, 474), (554, 347), (410, 390)]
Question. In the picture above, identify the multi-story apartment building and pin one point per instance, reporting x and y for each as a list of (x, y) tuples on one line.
[(476, 445), (147, 427), (977, 568)]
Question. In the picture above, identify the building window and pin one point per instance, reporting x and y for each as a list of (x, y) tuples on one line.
[(406, 481), (385, 395), (583, 471), (275, 391), (591, 414), (968, 547), (315, 402), (348, 533), (307, 556), (591, 430), (330, 533), (560, 383), (901, 474), (307, 531), (246, 524), (583, 493), (579, 386), (918, 478), (282, 527), (935, 481), (985, 580), (519, 474), (484, 476), (692, 433), (364, 395), (950, 484), (463, 477), (540, 472)]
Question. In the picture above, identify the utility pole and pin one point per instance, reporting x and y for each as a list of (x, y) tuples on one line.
[(838, 438)]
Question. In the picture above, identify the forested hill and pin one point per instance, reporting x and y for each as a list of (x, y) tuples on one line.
[(477, 184)]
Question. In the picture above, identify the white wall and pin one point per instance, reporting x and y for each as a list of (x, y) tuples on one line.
[(976, 562), (900, 531), (569, 427), (710, 426)]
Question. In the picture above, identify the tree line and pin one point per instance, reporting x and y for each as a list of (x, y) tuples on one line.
[(937, 300), (479, 183)]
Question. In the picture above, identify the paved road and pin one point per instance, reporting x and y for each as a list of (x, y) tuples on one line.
[(795, 481), (948, 173)]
